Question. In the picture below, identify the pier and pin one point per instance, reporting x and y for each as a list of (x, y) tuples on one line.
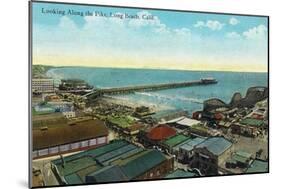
[(150, 87)]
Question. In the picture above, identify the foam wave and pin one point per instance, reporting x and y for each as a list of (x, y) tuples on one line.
[(53, 74), (166, 97)]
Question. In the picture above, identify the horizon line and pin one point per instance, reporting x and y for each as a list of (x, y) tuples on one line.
[(195, 70)]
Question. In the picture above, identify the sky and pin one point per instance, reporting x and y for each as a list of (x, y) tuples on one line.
[(65, 35)]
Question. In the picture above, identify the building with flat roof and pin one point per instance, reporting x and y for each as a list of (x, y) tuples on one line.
[(173, 141), (211, 154), (166, 115), (183, 122), (43, 85), (188, 122), (180, 173), (117, 161), (50, 119), (248, 127), (74, 85), (64, 139), (258, 166), (242, 159), (186, 152), (125, 125)]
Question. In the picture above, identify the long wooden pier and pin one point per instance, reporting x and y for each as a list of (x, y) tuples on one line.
[(150, 87)]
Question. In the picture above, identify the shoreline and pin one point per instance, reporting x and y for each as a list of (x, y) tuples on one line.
[(129, 103)]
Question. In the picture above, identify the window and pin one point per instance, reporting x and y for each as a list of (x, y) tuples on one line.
[(43, 152), (74, 145), (84, 143), (64, 148), (93, 142), (54, 150), (101, 140)]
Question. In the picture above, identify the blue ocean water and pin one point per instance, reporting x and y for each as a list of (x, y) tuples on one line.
[(189, 98)]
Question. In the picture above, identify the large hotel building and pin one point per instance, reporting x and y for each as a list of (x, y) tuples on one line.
[(43, 85)]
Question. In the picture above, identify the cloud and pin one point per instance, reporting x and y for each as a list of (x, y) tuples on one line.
[(182, 31), (211, 24), (145, 22), (199, 24), (98, 38), (233, 35), (100, 34), (154, 23), (233, 21), (67, 23), (258, 32)]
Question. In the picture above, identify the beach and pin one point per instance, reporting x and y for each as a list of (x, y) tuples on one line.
[(126, 102)]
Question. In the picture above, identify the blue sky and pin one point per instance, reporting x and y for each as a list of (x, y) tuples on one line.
[(172, 40)]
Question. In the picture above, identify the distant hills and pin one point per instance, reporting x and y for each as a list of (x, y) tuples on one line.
[(40, 70)]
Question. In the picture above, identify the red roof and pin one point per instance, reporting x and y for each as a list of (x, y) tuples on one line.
[(161, 132)]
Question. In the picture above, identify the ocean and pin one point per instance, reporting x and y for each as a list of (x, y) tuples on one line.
[(189, 99)]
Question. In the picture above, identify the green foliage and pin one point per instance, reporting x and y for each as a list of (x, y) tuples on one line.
[(40, 70)]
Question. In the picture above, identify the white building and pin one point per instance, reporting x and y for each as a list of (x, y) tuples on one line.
[(188, 122), (69, 114), (43, 85)]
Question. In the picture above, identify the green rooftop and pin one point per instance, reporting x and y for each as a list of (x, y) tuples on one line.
[(94, 152), (258, 166), (76, 165), (122, 121), (252, 122), (241, 156), (73, 179), (48, 109), (143, 162), (199, 127), (173, 141), (180, 173), (126, 159)]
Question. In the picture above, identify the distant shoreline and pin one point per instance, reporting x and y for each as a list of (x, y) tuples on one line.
[(130, 68)]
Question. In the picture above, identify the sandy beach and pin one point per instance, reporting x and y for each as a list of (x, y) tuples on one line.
[(126, 102)]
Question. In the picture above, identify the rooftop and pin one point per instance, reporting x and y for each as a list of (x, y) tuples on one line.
[(188, 122), (216, 145), (93, 152), (192, 143), (200, 128), (173, 141), (146, 161), (125, 161), (122, 121), (79, 131), (258, 166), (176, 119), (46, 117), (161, 132), (111, 173), (241, 156), (77, 166), (180, 173), (168, 114), (252, 122)]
